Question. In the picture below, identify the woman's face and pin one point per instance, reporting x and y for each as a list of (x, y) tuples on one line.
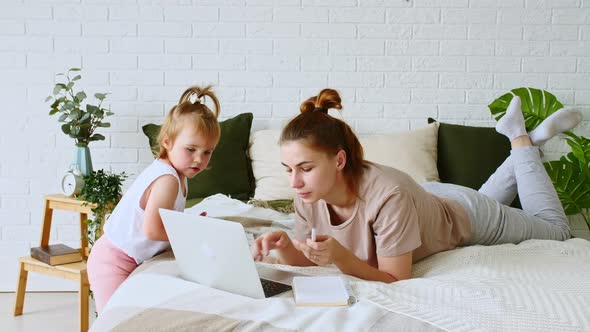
[(312, 173)]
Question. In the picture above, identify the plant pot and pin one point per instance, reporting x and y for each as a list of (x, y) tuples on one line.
[(82, 159)]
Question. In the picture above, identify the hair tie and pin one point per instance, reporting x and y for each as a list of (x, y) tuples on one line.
[(199, 99), (321, 109)]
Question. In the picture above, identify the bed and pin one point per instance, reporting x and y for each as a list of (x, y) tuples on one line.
[(536, 285)]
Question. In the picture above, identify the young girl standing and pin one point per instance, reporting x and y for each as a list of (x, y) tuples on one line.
[(374, 221), (134, 232)]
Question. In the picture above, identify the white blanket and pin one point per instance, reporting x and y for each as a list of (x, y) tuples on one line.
[(534, 286)]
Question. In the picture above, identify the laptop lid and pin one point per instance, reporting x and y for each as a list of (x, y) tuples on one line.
[(212, 252)]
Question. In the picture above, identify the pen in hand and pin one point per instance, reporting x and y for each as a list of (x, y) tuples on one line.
[(313, 234)]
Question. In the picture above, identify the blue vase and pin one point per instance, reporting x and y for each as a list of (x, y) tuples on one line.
[(82, 159)]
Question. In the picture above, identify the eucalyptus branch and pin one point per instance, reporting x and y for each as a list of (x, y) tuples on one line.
[(79, 122)]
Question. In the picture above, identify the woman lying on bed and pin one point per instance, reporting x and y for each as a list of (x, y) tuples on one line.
[(374, 221)]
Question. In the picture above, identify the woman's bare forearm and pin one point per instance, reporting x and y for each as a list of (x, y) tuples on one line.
[(356, 267), (291, 256)]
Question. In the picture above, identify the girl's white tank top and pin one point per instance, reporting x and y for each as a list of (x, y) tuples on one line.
[(124, 228)]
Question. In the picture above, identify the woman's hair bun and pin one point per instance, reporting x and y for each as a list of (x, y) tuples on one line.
[(325, 100)]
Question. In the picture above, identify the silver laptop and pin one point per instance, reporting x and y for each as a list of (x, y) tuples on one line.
[(215, 253)]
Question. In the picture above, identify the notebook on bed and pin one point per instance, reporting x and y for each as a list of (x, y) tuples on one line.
[(215, 253)]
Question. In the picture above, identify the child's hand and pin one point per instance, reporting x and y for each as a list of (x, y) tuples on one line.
[(325, 250), (267, 242)]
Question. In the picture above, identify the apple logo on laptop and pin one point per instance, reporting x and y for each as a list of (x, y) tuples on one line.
[(208, 251)]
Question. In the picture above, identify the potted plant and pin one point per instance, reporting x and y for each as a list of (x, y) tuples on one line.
[(571, 173), (104, 189), (80, 120)]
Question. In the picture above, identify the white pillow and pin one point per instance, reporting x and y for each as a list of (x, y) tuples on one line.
[(413, 152)]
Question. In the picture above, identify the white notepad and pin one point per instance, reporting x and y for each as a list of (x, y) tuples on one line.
[(322, 291)]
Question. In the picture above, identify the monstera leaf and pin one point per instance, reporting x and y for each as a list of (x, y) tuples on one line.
[(581, 150), (537, 105), (571, 183)]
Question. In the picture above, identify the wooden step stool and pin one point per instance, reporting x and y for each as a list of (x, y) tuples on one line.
[(73, 271)]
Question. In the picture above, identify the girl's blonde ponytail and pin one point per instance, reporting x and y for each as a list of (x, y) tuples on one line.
[(200, 93), (194, 113)]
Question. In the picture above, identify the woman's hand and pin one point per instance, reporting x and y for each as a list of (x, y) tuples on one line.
[(325, 250), (267, 242)]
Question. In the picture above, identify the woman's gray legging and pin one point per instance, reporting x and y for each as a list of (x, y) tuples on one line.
[(493, 221)]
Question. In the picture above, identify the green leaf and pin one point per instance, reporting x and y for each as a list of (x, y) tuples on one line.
[(55, 103), (100, 96), (65, 128), (58, 87), (68, 105), (97, 137), (63, 117), (580, 147), (74, 69), (537, 105), (69, 86), (48, 98), (81, 96), (77, 77), (85, 117), (572, 188), (109, 113), (74, 115), (104, 125), (92, 109), (53, 111)]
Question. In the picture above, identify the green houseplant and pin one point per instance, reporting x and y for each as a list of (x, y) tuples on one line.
[(105, 190), (79, 120), (571, 173)]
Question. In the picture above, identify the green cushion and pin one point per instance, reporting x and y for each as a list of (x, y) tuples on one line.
[(229, 171), (467, 155)]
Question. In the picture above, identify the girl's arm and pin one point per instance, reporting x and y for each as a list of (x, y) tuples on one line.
[(160, 194)]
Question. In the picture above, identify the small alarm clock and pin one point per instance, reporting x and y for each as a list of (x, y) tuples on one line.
[(72, 182)]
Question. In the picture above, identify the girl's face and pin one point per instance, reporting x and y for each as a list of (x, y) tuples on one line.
[(312, 173), (191, 151)]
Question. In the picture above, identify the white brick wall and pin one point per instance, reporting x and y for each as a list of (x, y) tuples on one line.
[(395, 62)]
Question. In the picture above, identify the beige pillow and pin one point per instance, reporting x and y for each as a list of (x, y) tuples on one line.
[(413, 152), (271, 178)]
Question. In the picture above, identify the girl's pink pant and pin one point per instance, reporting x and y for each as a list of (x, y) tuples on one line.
[(108, 266)]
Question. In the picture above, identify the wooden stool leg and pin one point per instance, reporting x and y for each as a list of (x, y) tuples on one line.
[(84, 297), (21, 288)]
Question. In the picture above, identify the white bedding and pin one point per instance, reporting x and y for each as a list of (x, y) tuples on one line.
[(534, 286)]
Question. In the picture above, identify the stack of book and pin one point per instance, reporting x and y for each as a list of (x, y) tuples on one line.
[(56, 254)]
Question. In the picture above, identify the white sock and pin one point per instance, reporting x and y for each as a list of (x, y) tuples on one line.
[(563, 120), (511, 124)]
